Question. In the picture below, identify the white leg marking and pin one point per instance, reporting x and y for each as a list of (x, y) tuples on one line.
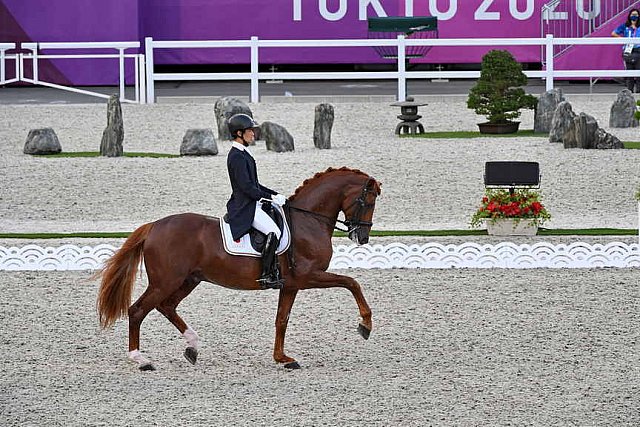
[(193, 340), (137, 357)]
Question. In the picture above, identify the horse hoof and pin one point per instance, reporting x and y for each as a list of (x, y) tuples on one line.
[(292, 365), (191, 355), (147, 367), (364, 331)]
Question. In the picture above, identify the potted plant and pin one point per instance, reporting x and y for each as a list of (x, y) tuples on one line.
[(520, 212), (497, 93)]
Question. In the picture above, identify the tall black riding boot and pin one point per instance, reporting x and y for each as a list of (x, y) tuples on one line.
[(270, 278)]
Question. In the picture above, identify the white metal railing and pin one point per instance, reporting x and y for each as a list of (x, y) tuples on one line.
[(254, 44), (36, 55), (581, 19), (4, 56)]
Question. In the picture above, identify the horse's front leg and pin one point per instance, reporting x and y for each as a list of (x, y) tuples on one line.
[(285, 302), (323, 279)]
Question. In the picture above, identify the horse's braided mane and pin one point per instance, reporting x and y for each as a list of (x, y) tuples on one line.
[(321, 174)]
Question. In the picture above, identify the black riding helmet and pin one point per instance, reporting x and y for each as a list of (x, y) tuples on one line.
[(240, 122)]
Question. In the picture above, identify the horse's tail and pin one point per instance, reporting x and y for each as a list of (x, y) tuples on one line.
[(118, 277)]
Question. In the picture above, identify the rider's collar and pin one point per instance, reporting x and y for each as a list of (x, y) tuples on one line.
[(241, 147)]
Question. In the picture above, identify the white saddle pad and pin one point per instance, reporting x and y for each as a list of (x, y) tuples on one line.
[(243, 246)]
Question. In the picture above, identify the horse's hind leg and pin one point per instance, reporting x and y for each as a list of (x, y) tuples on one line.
[(168, 309), (137, 312)]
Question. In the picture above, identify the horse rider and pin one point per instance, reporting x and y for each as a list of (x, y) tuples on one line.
[(245, 206)]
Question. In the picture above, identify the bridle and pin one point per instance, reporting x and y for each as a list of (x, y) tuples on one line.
[(354, 223)]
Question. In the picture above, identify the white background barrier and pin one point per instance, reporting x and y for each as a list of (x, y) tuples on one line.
[(255, 44), (4, 57), (35, 55), (396, 255)]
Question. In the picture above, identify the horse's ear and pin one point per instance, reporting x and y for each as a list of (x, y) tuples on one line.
[(374, 185)]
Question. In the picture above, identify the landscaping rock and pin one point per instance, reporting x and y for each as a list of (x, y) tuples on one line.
[(605, 141), (562, 121), (42, 141), (582, 133), (623, 111), (113, 135), (323, 123), (224, 108), (199, 142), (546, 109), (585, 133), (276, 137)]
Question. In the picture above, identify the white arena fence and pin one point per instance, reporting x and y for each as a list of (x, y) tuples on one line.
[(146, 76), (401, 75), (395, 255)]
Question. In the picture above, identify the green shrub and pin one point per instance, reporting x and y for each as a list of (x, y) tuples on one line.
[(497, 94)]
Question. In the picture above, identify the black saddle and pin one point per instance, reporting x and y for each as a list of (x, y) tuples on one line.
[(258, 239)]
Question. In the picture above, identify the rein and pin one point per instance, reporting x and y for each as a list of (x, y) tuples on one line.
[(329, 220)]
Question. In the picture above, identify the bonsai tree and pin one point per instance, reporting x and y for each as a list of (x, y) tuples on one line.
[(497, 94)]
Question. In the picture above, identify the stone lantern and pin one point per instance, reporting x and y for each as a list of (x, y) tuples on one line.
[(409, 117)]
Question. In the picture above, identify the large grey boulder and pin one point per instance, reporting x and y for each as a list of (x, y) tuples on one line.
[(605, 141), (198, 142), (224, 108), (546, 108), (276, 137), (323, 123), (113, 135), (561, 122), (585, 133), (623, 111), (42, 141)]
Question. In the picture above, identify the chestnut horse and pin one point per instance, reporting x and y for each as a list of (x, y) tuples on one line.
[(182, 250)]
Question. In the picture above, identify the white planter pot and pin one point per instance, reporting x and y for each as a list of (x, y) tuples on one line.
[(509, 227)]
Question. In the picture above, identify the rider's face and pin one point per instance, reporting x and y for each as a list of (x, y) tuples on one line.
[(249, 135)]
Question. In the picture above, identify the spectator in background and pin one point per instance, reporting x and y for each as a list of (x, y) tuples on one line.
[(630, 52)]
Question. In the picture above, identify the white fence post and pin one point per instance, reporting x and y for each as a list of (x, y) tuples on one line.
[(2, 66), (255, 86), (121, 72), (142, 77), (34, 60), (548, 50), (402, 77), (148, 54)]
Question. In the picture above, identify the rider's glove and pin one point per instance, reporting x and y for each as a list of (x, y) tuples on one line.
[(279, 199)]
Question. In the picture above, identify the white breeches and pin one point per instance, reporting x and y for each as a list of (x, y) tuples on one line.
[(263, 223)]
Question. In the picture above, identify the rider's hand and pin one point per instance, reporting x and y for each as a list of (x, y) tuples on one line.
[(279, 199)]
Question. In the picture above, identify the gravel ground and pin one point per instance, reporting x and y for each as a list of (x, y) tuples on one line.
[(449, 347), (427, 183)]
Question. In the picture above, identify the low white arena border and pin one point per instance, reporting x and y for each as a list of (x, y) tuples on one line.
[(395, 255)]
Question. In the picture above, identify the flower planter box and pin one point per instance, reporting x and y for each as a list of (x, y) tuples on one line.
[(509, 227)]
